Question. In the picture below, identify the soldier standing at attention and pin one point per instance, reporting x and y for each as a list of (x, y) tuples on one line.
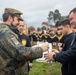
[(12, 52)]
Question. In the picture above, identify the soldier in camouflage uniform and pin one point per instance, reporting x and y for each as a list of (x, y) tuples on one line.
[(12, 52)]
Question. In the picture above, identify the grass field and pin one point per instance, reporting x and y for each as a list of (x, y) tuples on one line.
[(43, 68)]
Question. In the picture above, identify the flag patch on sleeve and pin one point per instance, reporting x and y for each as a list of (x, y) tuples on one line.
[(15, 41)]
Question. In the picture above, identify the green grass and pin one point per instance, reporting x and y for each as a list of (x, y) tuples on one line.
[(42, 68)]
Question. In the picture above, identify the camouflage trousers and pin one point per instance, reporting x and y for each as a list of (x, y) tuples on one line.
[(7, 73), (23, 70)]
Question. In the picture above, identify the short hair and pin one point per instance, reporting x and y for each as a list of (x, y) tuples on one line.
[(57, 23), (5, 16), (65, 22), (73, 10)]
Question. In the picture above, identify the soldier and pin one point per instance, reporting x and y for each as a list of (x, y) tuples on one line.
[(12, 52)]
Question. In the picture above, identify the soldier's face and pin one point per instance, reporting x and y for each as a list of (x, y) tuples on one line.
[(15, 21), (59, 30), (72, 18), (65, 29), (20, 26), (62, 29), (10, 19)]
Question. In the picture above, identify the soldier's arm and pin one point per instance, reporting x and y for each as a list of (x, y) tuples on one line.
[(14, 48)]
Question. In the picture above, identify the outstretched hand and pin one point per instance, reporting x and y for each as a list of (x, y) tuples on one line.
[(45, 47), (49, 56)]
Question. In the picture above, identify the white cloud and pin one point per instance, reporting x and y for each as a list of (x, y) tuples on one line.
[(36, 11)]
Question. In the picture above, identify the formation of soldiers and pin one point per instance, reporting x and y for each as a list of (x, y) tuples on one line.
[(52, 36), (43, 37)]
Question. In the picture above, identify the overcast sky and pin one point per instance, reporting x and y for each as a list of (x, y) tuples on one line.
[(36, 11)]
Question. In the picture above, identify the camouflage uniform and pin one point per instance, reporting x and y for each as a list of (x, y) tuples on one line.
[(12, 53), (24, 69)]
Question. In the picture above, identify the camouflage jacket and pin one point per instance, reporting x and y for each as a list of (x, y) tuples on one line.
[(12, 50)]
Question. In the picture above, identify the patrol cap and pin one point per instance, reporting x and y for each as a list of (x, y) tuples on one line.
[(14, 11)]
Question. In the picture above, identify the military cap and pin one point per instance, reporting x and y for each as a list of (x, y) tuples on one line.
[(12, 11)]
